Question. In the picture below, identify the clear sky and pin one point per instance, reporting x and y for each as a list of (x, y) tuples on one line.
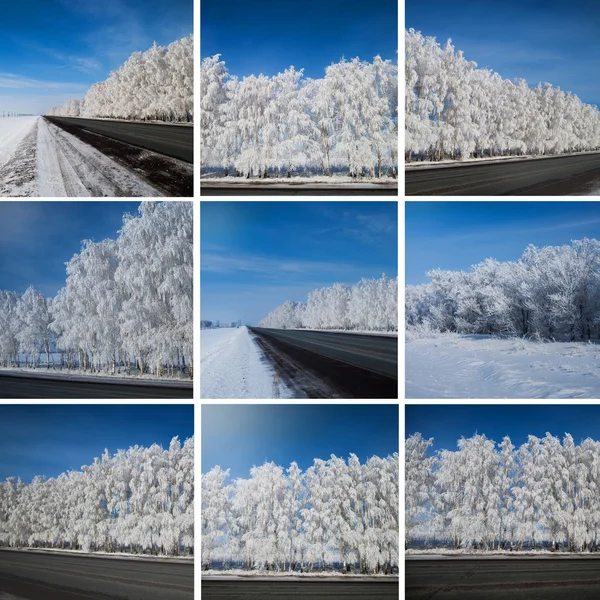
[(264, 36), (257, 255), (537, 40), (238, 437), (456, 235), (53, 50), (52, 439), (38, 238), (447, 423)]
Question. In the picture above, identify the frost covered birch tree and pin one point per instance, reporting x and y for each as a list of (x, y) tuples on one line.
[(285, 125), (492, 496), (138, 501), (337, 512), (369, 305), (156, 85), (550, 293), (126, 304), (453, 110)]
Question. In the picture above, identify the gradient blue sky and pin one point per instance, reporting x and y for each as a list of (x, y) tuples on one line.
[(456, 235), (53, 50), (263, 36), (51, 439), (238, 437), (257, 255), (38, 238), (447, 423), (537, 40)]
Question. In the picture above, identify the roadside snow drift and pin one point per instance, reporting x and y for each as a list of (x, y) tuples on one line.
[(12, 132), (232, 367), (479, 366)]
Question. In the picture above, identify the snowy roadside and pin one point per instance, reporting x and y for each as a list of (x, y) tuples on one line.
[(236, 574), (481, 366), (122, 379), (40, 159), (353, 332), (231, 366), (469, 162), (139, 122), (102, 554), (275, 181)]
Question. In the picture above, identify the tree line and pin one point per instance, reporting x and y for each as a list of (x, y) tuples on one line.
[(138, 501), (283, 125), (549, 293), (492, 496), (126, 306), (456, 111), (335, 512), (155, 85), (369, 305)]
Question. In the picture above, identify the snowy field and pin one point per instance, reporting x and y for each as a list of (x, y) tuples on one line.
[(479, 366), (262, 575), (40, 159), (232, 367), (12, 132)]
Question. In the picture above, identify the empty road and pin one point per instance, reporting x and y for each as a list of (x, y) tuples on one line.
[(349, 365), (23, 387), (216, 589), (547, 177), (26, 576), (176, 141), (503, 579)]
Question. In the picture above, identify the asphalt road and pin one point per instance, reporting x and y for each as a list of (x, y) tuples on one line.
[(17, 387), (27, 576), (176, 141), (296, 590), (377, 353), (550, 176), (503, 579)]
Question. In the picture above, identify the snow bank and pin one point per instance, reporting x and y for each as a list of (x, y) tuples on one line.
[(290, 576), (438, 553), (102, 554), (13, 131), (232, 366), (479, 366)]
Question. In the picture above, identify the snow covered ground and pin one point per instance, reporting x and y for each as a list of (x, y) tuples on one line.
[(102, 554), (274, 181), (289, 576), (232, 366), (479, 366), (437, 553), (40, 159)]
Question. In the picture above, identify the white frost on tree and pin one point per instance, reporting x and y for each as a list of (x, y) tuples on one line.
[(138, 501), (337, 512), (156, 85), (285, 125), (369, 305)]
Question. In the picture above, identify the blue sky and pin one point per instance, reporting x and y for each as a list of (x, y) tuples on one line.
[(38, 238), (257, 255), (53, 50), (537, 40), (447, 423), (266, 37), (238, 437), (49, 439), (456, 235)]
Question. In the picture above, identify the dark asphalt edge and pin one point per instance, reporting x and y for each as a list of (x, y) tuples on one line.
[(125, 122), (434, 167), (94, 555), (82, 379), (366, 334)]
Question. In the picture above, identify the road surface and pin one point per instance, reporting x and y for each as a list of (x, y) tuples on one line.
[(503, 579), (247, 589), (27, 576), (176, 141), (20, 387), (296, 190), (548, 177), (354, 365)]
